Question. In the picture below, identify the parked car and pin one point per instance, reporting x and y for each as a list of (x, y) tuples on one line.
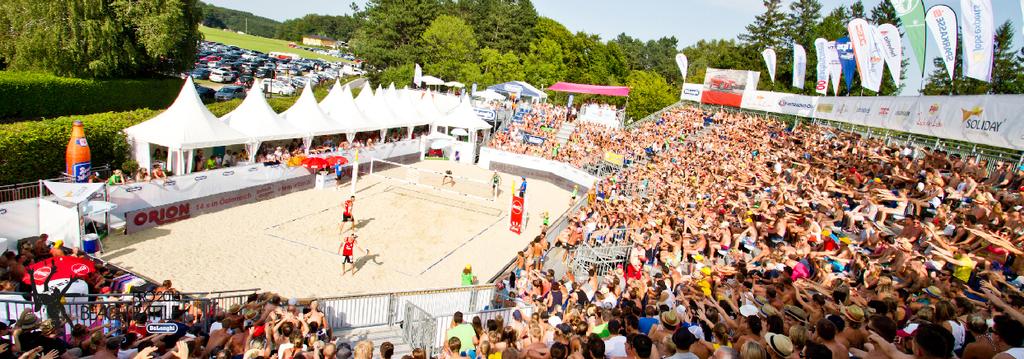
[(222, 76), (279, 87), (263, 73), (244, 80), (229, 93), (206, 94), (200, 74)]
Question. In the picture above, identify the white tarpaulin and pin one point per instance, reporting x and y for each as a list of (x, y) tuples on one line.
[(60, 223), (73, 193)]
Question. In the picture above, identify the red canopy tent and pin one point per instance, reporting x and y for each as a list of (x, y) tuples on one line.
[(590, 89)]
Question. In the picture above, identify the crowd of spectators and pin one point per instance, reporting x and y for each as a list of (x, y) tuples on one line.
[(754, 240)]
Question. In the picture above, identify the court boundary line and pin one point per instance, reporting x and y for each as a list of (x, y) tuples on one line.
[(475, 236)]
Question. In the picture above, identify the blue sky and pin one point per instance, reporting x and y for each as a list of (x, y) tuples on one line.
[(687, 20)]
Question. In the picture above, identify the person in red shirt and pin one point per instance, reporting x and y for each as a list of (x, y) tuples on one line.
[(345, 249), (347, 215)]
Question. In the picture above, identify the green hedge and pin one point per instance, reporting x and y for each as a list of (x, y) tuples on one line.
[(35, 149), (30, 150), (30, 95)]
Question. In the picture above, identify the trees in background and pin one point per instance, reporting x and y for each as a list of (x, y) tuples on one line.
[(99, 38), (222, 18)]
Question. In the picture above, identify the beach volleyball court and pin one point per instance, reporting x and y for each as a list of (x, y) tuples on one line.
[(418, 237)]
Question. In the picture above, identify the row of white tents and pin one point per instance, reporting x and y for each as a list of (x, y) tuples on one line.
[(187, 125)]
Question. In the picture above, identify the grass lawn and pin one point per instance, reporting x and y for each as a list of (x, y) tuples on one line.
[(257, 43)]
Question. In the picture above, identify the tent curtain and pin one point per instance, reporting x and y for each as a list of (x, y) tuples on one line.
[(251, 148), (306, 143)]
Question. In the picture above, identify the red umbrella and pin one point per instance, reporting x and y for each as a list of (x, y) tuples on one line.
[(314, 163), (336, 160), (64, 267)]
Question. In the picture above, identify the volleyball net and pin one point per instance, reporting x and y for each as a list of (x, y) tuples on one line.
[(439, 181)]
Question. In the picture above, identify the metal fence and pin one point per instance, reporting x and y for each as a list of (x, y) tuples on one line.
[(87, 309), (365, 310), (20, 191), (601, 258), (556, 228)]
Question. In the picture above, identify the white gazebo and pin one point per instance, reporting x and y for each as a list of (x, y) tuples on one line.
[(432, 81), (463, 117), (403, 110), (307, 116), (256, 119), (184, 127)]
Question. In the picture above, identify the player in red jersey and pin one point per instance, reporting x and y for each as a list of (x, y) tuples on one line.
[(346, 249), (347, 215)]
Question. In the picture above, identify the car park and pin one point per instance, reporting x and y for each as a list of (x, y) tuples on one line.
[(200, 74), (206, 94)]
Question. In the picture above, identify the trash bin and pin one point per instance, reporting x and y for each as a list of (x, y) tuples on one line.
[(91, 243)]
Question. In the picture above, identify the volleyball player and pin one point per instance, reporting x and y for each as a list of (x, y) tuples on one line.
[(346, 216)]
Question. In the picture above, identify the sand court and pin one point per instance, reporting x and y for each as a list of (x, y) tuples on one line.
[(417, 238)]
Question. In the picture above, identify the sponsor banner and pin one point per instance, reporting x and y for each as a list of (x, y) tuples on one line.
[(799, 66), (614, 158), (869, 57), (565, 171), (979, 37), (821, 84), (727, 87), (779, 102), (516, 219), (169, 213), (892, 50), (995, 120), (835, 66), (692, 92), (486, 114), (942, 24), (847, 60), (533, 140), (770, 60), (911, 13), (683, 64)]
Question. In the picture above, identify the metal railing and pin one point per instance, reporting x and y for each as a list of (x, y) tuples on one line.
[(601, 258), (419, 327), (89, 309), (556, 228), (435, 346), (20, 191), (364, 310)]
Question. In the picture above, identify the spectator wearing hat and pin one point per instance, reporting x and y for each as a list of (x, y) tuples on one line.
[(853, 336), (779, 346), (659, 334)]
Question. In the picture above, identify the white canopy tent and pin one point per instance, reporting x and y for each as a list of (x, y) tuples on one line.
[(185, 126), (424, 105), (463, 117), (307, 116), (374, 108), (432, 81), (489, 95), (404, 112), (256, 119), (340, 107), (454, 84)]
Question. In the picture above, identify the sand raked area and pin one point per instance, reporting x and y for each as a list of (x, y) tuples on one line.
[(418, 238)]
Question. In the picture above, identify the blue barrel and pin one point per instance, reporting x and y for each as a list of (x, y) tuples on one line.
[(90, 243)]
